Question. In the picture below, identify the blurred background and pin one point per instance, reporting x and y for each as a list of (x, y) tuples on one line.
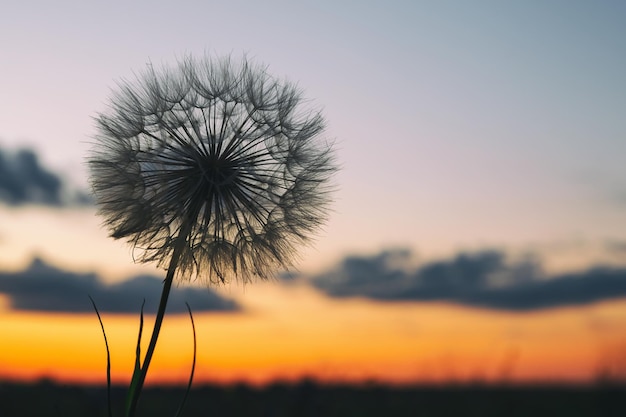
[(478, 234)]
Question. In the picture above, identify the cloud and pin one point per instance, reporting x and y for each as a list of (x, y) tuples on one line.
[(483, 279), (44, 288), (617, 247), (24, 181)]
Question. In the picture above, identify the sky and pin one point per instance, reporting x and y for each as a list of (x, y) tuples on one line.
[(482, 187)]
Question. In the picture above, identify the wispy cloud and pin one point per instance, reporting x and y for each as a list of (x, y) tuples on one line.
[(44, 288), (483, 279), (616, 246)]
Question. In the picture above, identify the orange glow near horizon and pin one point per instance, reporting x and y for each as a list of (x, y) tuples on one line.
[(290, 333)]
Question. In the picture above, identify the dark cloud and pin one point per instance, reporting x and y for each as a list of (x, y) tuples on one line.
[(44, 288), (483, 279), (24, 181)]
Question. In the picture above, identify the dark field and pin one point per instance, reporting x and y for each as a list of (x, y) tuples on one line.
[(308, 399)]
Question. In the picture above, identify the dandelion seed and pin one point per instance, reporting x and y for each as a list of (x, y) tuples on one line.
[(220, 164)]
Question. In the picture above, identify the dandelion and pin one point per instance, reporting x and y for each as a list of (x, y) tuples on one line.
[(213, 170)]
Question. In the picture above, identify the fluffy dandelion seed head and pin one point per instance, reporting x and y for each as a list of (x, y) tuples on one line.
[(218, 165)]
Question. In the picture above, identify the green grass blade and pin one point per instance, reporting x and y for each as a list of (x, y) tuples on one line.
[(134, 381), (193, 365), (106, 343)]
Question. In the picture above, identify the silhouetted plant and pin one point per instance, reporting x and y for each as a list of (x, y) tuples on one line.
[(213, 170)]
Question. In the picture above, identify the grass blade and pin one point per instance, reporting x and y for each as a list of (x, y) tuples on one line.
[(134, 381), (106, 343), (193, 365)]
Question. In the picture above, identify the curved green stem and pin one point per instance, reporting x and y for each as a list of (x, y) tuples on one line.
[(106, 344), (193, 364)]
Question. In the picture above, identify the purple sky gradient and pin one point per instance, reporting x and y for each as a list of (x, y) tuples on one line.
[(457, 124)]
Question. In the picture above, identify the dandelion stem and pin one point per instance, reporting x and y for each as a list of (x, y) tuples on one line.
[(167, 285)]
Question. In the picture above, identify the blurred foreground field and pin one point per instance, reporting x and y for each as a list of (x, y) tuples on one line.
[(308, 399)]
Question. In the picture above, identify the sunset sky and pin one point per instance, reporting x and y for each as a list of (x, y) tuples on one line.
[(478, 230)]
